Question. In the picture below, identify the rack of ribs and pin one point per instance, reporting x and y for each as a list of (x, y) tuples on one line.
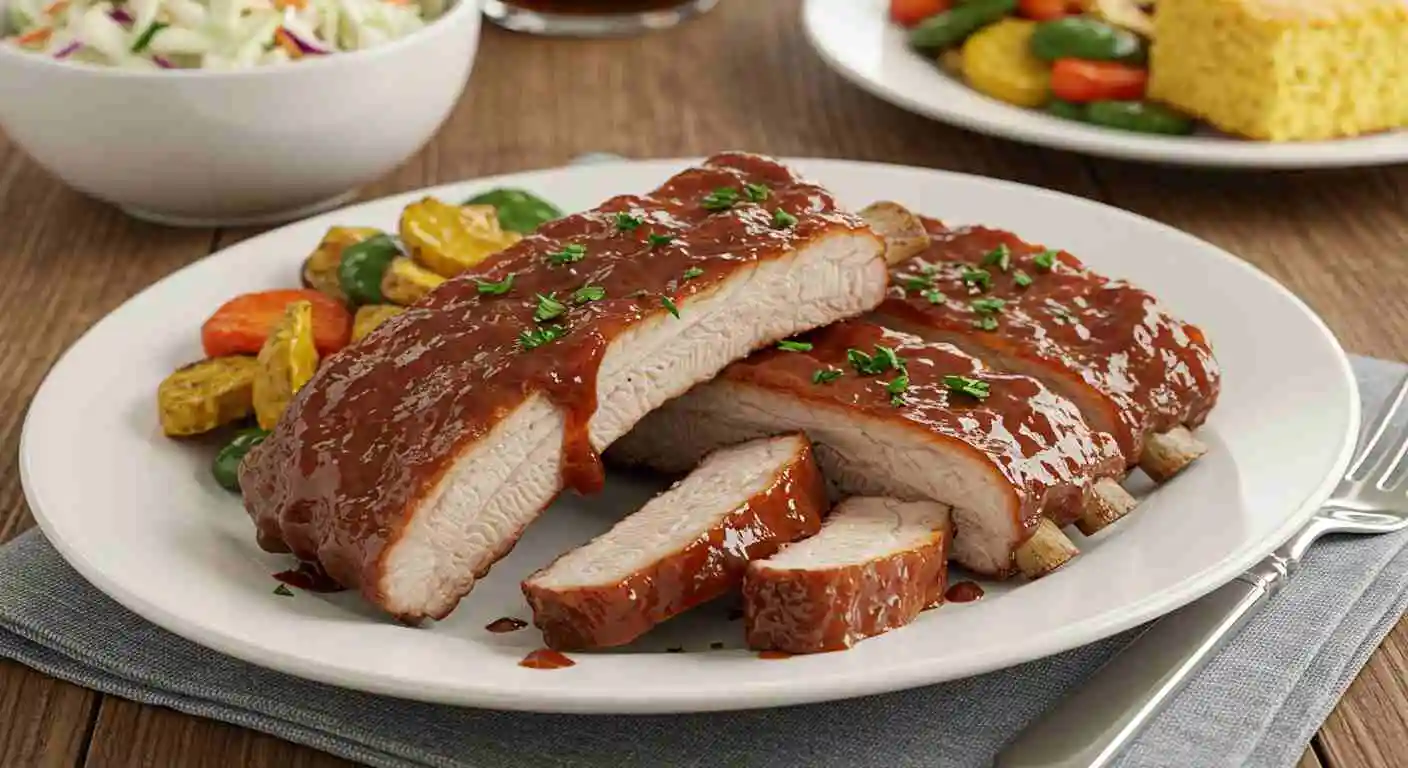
[(413, 460)]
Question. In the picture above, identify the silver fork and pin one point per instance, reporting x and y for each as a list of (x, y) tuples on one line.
[(1094, 725)]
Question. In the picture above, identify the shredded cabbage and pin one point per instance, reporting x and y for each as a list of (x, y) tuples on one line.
[(208, 34)]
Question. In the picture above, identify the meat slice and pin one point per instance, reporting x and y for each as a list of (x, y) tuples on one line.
[(1136, 371), (685, 547), (892, 415), (873, 567), (414, 459)]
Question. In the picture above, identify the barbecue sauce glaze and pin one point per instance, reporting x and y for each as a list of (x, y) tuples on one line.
[(1158, 371), (382, 421)]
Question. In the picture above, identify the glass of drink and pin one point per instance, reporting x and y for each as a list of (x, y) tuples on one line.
[(592, 18)]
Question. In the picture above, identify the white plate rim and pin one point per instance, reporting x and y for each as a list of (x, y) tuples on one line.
[(1368, 151), (900, 678)]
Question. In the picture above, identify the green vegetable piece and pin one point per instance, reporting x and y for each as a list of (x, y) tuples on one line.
[(519, 211), (1081, 37), (362, 266), (1138, 116), (953, 26), (145, 39), (1066, 109), (226, 467)]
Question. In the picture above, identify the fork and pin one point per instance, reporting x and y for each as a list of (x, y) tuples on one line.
[(1091, 727)]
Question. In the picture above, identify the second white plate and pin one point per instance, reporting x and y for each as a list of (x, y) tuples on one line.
[(856, 38), (140, 516)]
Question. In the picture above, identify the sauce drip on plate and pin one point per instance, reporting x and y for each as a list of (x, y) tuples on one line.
[(546, 658)]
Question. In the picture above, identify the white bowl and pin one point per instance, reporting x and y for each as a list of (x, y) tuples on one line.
[(191, 147)]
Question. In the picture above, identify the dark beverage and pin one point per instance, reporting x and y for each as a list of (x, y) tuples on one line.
[(592, 18)]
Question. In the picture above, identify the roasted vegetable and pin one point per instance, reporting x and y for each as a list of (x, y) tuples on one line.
[(1138, 116), (226, 467), (202, 396), (518, 211), (1065, 109), (954, 25), (369, 316), (1046, 10), (320, 268), (287, 361), (1083, 81), (907, 13), (997, 61), (1083, 38), (363, 265), (1126, 14), (240, 325), (448, 239), (405, 282)]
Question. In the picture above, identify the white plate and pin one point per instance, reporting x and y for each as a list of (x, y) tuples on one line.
[(140, 516), (856, 38)]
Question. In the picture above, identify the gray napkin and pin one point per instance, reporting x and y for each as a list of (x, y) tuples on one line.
[(1257, 704)]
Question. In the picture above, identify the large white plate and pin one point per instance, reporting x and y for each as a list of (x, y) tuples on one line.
[(856, 39), (140, 516)]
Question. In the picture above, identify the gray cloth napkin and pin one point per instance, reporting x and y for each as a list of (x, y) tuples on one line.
[(1257, 704)]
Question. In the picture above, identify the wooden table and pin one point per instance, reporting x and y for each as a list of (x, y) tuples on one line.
[(742, 77)]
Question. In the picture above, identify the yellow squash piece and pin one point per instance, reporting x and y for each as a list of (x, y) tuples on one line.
[(405, 282), (998, 62), (448, 239), (320, 269), (1123, 13), (369, 316), (286, 362), (202, 396)]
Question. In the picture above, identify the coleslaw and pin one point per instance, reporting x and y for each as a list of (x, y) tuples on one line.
[(208, 34)]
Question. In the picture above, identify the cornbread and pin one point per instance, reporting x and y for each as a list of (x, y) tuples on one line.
[(1284, 70)]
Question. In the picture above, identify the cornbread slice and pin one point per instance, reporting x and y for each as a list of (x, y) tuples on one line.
[(1284, 70)]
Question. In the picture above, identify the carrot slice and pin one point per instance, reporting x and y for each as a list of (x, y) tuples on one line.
[(240, 325), (35, 37)]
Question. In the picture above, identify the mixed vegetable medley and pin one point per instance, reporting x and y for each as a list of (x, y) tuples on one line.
[(1084, 60), (261, 348), (208, 34)]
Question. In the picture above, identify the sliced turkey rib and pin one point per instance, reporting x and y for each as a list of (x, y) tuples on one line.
[(685, 547), (413, 460), (873, 567)]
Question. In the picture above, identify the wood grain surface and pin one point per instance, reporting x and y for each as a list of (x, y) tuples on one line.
[(742, 77)]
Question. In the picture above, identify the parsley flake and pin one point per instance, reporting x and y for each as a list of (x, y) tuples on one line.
[(283, 591), (487, 288), (720, 199), (986, 323), (570, 253), (966, 386), (897, 387), (934, 296), (692, 272), (669, 304), (977, 277), (917, 282), (883, 360), (548, 308), (783, 220), (659, 240), (1022, 279), (756, 193), (588, 293), (788, 345), (987, 306), (536, 337), (1000, 257), (628, 223), (825, 375), (1045, 260)]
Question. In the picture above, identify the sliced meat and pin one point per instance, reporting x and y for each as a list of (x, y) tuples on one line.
[(1003, 450), (414, 459), (1135, 371), (685, 547), (873, 567)]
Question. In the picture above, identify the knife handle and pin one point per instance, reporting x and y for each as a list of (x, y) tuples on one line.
[(1092, 726)]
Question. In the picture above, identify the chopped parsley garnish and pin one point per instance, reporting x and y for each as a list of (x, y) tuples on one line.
[(548, 308), (572, 252), (979, 277), (917, 282), (783, 220), (283, 591), (588, 293), (487, 288), (1000, 257), (669, 304), (537, 337), (986, 323), (720, 199), (1022, 279), (987, 306), (756, 192), (934, 296), (897, 387), (883, 360), (145, 39), (787, 345), (659, 240), (692, 272), (967, 386), (1045, 260), (628, 223), (825, 375)]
